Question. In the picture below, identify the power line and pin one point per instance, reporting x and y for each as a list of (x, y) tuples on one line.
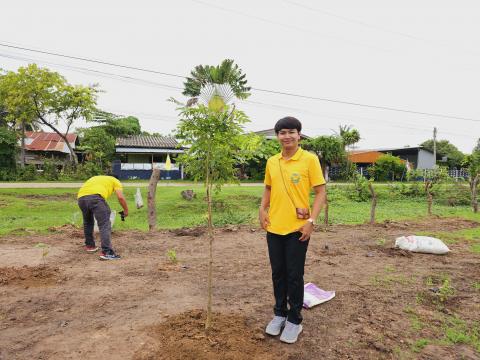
[(376, 27), (288, 26), (343, 102), (130, 79)]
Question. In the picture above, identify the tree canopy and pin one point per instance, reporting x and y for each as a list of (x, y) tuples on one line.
[(38, 94), (445, 148), (226, 73)]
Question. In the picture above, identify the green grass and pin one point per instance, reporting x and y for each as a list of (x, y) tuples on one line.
[(458, 331), (419, 345), (36, 210)]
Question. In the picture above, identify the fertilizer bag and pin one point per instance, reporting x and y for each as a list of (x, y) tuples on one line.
[(422, 244)]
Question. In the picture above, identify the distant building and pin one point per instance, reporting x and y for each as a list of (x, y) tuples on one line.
[(417, 157), (41, 145), (137, 155)]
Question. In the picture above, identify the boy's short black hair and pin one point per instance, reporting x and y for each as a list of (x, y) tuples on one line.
[(288, 122)]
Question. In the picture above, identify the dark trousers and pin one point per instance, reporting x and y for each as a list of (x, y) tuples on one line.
[(96, 206), (287, 258)]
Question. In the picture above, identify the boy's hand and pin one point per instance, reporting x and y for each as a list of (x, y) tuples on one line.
[(263, 218), (306, 231)]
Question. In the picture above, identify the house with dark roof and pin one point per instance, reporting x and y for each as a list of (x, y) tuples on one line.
[(41, 145), (137, 155)]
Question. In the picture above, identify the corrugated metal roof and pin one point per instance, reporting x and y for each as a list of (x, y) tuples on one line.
[(147, 141), (45, 141)]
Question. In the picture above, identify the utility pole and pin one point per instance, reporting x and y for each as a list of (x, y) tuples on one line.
[(435, 147)]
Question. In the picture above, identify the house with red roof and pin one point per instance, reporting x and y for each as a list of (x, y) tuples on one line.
[(41, 145)]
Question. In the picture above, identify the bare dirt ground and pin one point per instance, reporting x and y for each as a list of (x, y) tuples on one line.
[(145, 307)]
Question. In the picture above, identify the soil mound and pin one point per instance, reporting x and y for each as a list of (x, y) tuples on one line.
[(28, 276), (183, 337)]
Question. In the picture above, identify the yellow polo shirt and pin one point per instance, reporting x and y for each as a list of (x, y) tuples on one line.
[(297, 176), (102, 185)]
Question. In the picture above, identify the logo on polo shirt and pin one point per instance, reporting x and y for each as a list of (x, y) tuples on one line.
[(295, 178)]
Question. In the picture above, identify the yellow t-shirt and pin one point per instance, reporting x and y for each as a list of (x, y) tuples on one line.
[(102, 185), (297, 176)]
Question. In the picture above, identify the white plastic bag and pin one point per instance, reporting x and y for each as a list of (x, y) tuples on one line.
[(138, 199), (112, 221), (422, 244)]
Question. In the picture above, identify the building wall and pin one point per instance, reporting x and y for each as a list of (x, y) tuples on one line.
[(425, 160), (139, 158)]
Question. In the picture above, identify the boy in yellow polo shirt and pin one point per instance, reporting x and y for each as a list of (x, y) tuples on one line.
[(92, 198), (286, 216)]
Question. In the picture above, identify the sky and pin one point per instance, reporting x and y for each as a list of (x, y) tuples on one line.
[(414, 56)]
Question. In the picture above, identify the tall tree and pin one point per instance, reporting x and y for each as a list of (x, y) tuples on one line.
[(212, 134), (329, 149), (44, 95), (349, 136), (446, 148)]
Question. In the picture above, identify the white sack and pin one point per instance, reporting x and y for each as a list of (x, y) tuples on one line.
[(422, 244)]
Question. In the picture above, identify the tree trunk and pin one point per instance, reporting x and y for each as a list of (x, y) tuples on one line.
[(152, 189), (473, 191), (428, 186), (22, 150), (208, 322), (374, 203)]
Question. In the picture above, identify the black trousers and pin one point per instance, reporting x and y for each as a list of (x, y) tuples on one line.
[(95, 206), (287, 259)]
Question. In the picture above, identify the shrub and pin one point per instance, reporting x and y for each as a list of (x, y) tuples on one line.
[(359, 192), (387, 167), (28, 173), (50, 171)]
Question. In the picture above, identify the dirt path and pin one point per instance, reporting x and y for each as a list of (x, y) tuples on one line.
[(144, 307)]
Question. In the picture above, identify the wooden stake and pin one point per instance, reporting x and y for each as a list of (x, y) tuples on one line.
[(152, 189), (374, 203)]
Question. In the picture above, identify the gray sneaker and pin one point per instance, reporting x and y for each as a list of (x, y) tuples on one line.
[(290, 333), (275, 326)]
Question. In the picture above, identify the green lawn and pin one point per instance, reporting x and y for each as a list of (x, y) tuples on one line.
[(36, 210)]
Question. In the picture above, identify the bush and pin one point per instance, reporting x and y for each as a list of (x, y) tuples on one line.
[(28, 173), (408, 190), (454, 195), (8, 175), (387, 167), (359, 192), (50, 171), (88, 169)]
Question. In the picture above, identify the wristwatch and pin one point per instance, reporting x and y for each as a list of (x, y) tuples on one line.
[(310, 220)]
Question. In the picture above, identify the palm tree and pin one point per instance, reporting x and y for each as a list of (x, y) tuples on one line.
[(350, 136), (216, 84)]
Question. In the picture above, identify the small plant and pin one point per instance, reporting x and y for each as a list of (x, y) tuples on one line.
[(419, 345), (476, 286), (172, 256), (381, 242), (446, 291), (45, 250), (389, 268)]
